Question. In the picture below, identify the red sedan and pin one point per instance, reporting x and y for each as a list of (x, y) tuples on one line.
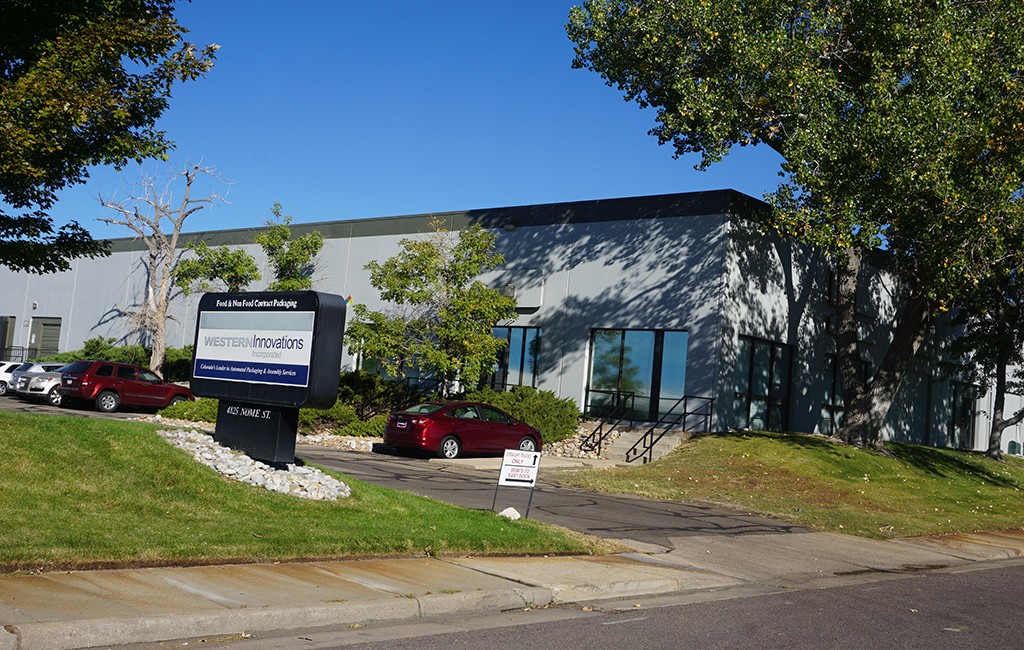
[(449, 430)]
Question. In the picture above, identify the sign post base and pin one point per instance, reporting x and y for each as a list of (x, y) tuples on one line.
[(263, 432)]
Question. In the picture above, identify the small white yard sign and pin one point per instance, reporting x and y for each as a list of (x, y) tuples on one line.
[(519, 468)]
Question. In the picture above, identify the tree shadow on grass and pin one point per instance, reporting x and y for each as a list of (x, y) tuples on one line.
[(949, 462), (945, 463), (808, 441)]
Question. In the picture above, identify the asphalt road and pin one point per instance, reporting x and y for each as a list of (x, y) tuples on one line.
[(607, 516)]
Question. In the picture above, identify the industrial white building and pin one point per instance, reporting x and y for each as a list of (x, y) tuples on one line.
[(642, 301)]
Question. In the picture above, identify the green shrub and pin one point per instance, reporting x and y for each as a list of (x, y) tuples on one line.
[(203, 409), (177, 364), (555, 418), (177, 361), (371, 395), (372, 428), (338, 416)]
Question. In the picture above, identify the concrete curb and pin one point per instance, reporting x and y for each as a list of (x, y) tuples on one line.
[(72, 635), (8, 640)]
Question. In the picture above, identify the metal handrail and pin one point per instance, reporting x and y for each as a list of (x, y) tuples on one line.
[(13, 353), (643, 448), (595, 441)]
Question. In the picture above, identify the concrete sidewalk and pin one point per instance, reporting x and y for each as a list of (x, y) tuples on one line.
[(84, 609)]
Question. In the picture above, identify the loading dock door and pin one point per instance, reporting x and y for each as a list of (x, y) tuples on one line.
[(44, 337)]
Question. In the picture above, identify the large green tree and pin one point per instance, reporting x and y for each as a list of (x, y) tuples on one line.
[(221, 268), (441, 315), (901, 123), (292, 261), (82, 83), (992, 318)]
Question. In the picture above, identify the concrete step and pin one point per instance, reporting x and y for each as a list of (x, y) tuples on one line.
[(622, 440)]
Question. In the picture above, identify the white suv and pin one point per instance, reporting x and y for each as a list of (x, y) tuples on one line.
[(6, 379), (35, 379)]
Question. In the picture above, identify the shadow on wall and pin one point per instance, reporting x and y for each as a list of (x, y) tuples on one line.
[(629, 273)]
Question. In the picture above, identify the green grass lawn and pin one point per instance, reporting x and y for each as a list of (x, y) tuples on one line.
[(80, 493), (813, 481)]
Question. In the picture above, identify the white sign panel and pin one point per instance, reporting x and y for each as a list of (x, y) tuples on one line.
[(256, 347), (519, 468)]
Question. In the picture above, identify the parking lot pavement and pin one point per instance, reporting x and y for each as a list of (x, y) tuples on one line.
[(13, 404)]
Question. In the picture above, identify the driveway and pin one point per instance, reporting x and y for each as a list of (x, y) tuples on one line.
[(642, 524)]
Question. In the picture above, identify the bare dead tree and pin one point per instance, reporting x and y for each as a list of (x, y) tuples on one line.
[(154, 214)]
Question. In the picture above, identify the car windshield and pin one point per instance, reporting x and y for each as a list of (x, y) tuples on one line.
[(23, 367), (148, 375), (426, 407)]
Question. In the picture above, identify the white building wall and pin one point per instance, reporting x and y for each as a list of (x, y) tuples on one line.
[(631, 266)]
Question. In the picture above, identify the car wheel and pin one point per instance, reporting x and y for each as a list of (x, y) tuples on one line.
[(450, 447), (177, 399), (3, 388), (54, 398), (107, 402), (527, 444)]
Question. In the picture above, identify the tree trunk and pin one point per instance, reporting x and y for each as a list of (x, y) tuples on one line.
[(847, 337), (995, 436), (868, 401)]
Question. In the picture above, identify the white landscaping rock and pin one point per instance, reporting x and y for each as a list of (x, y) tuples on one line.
[(510, 513), (296, 480)]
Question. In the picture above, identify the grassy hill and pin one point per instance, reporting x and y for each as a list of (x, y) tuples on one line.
[(816, 482), (78, 493)]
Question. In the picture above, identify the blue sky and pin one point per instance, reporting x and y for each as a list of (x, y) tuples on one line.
[(343, 110)]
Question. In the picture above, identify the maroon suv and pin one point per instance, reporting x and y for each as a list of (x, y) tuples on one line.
[(108, 385)]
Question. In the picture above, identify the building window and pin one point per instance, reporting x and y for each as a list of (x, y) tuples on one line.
[(518, 362), (640, 372), (762, 382), (961, 420), (832, 407)]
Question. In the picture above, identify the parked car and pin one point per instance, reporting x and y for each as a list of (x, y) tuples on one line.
[(41, 386), (19, 378), (6, 368), (450, 430), (109, 385)]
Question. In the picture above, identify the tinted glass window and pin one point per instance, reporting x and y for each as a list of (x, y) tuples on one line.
[(492, 415), (25, 366), (464, 412), (105, 370), (150, 376), (78, 366), (428, 407), (125, 372)]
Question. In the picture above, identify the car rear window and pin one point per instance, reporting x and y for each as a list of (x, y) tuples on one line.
[(428, 407), (78, 367)]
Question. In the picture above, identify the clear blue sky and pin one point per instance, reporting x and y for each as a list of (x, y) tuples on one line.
[(343, 110)]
